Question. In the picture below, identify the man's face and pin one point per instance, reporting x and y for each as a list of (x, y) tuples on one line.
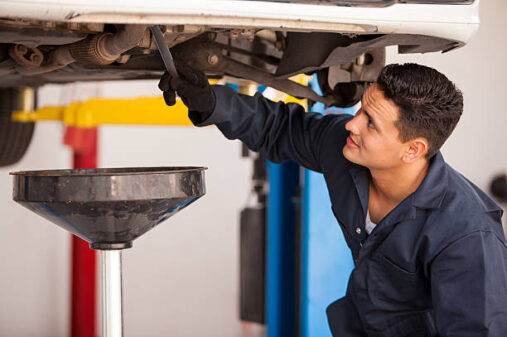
[(374, 139)]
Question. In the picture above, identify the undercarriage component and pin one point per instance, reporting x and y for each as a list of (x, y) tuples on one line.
[(345, 63), (345, 83), (329, 49), (105, 48), (26, 56), (92, 50), (99, 49), (58, 58), (208, 56), (36, 33)]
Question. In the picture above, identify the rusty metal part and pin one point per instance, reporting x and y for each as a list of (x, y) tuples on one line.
[(200, 58), (91, 50), (99, 49), (26, 56), (258, 56), (58, 58), (365, 68), (126, 38), (292, 88), (106, 48)]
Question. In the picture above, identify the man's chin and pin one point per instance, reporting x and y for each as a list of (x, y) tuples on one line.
[(349, 156)]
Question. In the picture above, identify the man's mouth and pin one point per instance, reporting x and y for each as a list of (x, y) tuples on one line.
[(351, 143)]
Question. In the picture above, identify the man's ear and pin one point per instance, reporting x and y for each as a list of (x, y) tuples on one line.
[(416, 148)]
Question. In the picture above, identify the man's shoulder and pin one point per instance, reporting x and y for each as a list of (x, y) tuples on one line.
[(466, 208), (463, 193), (465, 211)]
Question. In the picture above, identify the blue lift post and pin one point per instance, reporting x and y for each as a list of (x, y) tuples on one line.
[(326, 262), (280, 301), (297, 307), (281, 250)]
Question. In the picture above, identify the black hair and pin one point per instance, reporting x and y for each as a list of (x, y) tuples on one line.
[(430, 104)]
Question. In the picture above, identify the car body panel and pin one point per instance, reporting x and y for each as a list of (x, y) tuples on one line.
[(452, 22)]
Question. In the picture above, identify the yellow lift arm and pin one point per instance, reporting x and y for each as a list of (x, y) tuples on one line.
[(98, 111), (137, 111)]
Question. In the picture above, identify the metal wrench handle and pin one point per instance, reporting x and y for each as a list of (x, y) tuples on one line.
[(164, 51)]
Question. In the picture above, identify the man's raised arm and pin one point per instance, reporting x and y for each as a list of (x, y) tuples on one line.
[(283, 131)]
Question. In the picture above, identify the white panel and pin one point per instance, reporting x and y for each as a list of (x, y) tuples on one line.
[(34, 263), (185, 270)]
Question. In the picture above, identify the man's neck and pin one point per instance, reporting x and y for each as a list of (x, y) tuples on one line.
[(388, 188)]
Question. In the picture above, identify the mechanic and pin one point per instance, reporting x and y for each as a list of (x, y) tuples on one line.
[(429, 250)]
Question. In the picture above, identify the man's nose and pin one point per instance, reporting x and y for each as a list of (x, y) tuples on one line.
[(352, 125)]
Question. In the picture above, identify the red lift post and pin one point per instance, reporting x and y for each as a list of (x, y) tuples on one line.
[(83, 142)]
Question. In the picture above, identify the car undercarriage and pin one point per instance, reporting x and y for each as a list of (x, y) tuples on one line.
[(34, 53)]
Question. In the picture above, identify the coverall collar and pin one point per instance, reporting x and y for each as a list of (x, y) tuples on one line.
[(431, 192), (428, 195)]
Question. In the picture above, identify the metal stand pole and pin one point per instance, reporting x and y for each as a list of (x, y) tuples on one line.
[(112, 293)]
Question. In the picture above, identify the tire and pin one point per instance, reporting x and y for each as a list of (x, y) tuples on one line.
[(15, 137)]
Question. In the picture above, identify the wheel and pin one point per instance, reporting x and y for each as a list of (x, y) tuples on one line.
[(15, 137)]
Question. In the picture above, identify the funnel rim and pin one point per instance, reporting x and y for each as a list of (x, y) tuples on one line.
[(106, 172)]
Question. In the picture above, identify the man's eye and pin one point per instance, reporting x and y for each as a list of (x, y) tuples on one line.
[(370, 124)]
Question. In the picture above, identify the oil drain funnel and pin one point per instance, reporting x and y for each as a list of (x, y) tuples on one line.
[(109, 208)]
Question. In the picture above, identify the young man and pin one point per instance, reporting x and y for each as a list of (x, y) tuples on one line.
[(430, 253)]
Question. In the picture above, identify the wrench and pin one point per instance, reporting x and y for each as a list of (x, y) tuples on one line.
[(164, 51)]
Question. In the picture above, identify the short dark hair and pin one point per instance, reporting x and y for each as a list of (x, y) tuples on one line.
[(430, 104)]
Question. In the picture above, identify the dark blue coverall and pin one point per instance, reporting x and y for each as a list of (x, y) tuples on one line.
[(436, 265)]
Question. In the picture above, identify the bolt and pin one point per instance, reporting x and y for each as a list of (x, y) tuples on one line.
[(212, 59)]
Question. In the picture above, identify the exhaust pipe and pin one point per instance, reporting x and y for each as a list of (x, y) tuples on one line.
[(98, 49), (105, 48)]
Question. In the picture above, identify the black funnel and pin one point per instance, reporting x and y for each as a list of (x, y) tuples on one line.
[(109, 207)]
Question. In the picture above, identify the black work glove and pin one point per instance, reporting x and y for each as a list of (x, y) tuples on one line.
[(193, 88)]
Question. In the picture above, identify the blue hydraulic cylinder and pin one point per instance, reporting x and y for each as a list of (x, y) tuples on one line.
[(326, 261)]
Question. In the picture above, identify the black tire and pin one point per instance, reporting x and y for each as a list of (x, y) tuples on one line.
[(15, 137)]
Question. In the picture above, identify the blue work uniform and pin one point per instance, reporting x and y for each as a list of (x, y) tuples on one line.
[(436, 265)]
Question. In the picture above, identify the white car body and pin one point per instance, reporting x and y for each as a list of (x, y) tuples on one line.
[(453, 22), (341, 41)]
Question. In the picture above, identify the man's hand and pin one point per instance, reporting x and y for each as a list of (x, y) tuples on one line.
[(193, 88)]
